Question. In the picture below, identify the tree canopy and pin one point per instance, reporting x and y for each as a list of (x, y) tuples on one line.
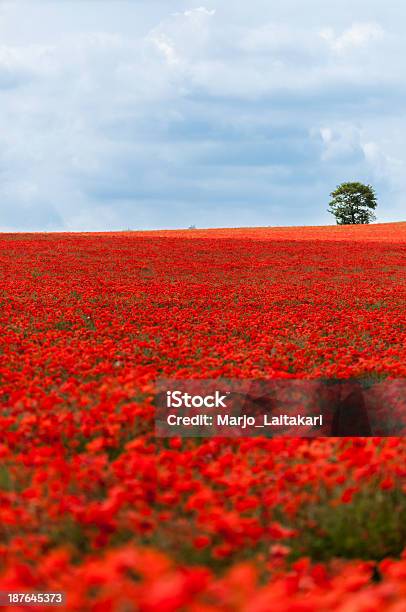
[(353, 203)]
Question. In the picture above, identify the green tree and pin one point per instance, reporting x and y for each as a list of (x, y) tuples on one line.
[(353, 203)]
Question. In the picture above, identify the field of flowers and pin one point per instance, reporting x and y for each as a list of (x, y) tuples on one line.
[(92, 504)]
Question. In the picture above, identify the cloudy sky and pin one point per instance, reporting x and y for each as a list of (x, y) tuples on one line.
[(150, 114)]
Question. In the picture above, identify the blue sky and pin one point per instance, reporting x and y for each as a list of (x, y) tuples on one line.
[(163, 114)]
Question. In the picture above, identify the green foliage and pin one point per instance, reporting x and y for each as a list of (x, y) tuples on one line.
[(353, 203), (371, 526), (6, 481)]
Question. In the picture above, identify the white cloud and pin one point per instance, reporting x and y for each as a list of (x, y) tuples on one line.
[(20, 63), (200, 13), (340, 141), (165, 46), (351, 144), (183, 36), (386, 166), (359, 35)]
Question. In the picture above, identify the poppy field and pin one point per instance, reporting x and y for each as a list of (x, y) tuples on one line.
[(94, 505)]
